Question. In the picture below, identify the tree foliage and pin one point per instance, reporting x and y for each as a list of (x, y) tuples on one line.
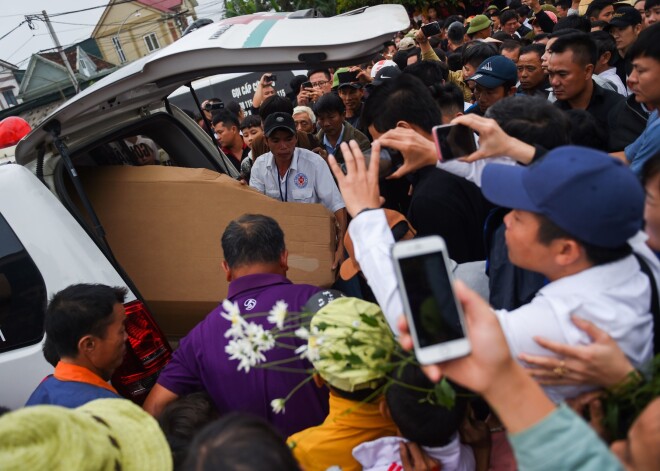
[(247, 7)]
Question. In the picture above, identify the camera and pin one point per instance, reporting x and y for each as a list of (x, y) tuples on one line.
[(307, 85), (431, 29), (215, 106)]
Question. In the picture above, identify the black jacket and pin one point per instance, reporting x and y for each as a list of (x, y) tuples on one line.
[(626, 121)]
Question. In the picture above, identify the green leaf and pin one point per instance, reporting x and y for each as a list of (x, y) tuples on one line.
[(369, 320), (352, 342), (378, 354), (322, 326), (444, 394), (353, 359), (337, 356)]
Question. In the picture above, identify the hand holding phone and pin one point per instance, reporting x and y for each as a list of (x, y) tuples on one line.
[(453, 141), (435, 316)]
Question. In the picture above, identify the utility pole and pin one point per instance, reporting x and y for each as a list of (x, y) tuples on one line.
[(61, 51)]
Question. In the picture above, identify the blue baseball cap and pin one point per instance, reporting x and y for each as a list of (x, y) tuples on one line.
[(587, 193), (496, 71)]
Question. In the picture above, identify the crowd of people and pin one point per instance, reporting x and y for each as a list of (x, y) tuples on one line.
[(552, 226)]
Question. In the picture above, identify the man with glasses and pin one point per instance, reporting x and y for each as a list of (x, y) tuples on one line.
[(321, 83)]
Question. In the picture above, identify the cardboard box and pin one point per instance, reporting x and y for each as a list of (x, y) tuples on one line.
[(164, 226)]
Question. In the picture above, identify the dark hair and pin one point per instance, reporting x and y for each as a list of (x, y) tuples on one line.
[(80, 310), (530, 119), (605, 43), (523, 10), (456, 33), (429, 72), (329, 103), (576, 22), (404, 98), (647, 44), (400, 58), (435, 41), (50, 352), (296, 82), (252, 238), (182, 419), (650, 4), (538, 49), (502, 36), (586, 131), (449, 98), (275, 104), (581, 45), (650, 169), (565, 4), (361, 395), (234, 107), (251, 121), (477, 52), (549, 231), (541, 37), (507, 16), (239, 442), (452, 19), (510, 45), (455, 61), (595, 7), (417, 419), (227, 118), (598, 24), (325, 72)]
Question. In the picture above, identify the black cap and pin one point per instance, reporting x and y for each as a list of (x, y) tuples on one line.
[(322, 299), (624, 17), (277, 121), (386, 73)]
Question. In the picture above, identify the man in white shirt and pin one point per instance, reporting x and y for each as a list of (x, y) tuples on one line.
[(578, 212), (292, 174)]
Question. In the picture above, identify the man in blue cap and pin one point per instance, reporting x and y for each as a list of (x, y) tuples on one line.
[(496, 78), (576, 219)]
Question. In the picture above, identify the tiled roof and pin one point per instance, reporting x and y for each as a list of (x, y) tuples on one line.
[(162, 5)]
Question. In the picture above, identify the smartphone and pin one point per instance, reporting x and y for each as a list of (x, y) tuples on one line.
[(218, 105), (348, 77), (454, 141), (307, 85), (431, 29), (435, 316), (271, 78)]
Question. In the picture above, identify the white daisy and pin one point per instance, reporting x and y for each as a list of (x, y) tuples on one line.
[(278, 313)]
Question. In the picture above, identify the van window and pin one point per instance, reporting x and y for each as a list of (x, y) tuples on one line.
[(22, 293)]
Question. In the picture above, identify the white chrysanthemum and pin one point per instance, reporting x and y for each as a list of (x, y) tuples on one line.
[(310, 350), (278, 313), (233, 315), (302, 333), (266, 341), (277, 405)]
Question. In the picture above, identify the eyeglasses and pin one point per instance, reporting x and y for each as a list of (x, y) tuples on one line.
[(320, 83)]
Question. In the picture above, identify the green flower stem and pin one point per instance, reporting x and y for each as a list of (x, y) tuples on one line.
[(298, 386)]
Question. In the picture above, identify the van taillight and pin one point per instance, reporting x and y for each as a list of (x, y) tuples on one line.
[(147, 353)]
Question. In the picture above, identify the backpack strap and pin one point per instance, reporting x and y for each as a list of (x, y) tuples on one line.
[(655, 301)]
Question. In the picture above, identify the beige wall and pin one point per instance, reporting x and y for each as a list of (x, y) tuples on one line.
[(132, 29)]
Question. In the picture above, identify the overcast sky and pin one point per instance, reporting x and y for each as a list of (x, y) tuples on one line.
[(19, 45)]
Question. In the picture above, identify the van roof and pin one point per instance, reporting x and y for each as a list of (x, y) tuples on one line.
[(260, 42)]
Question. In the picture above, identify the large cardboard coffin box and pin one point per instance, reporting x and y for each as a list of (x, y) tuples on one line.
[(164, 226)]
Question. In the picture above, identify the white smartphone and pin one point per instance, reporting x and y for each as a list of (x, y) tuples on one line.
[(435, 316)]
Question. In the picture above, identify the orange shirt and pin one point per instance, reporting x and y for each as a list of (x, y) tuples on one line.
[(348, 424), (69, 372)]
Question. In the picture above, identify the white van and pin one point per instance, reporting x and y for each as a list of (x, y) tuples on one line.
[(50, 236)]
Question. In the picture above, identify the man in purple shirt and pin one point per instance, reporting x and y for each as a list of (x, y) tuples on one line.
[(256, 265)]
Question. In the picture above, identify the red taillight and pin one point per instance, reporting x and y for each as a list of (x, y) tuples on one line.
[(147, 353)]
